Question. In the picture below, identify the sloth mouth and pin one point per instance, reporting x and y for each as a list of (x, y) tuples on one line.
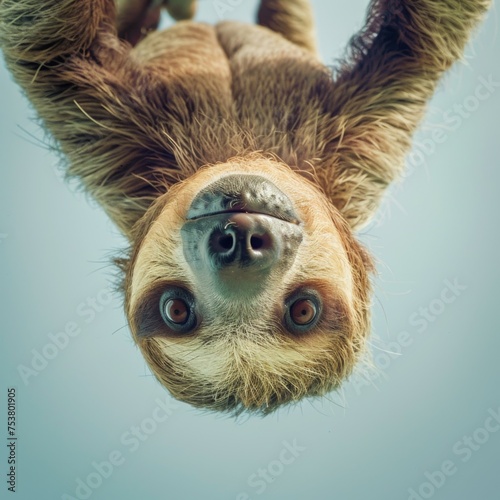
[(252, 194), (240, 211)]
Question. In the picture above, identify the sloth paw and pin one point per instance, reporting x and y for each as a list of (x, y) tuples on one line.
[(181, 9), (136, 18)]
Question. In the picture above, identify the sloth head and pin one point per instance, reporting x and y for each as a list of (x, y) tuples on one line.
[(245, 289)]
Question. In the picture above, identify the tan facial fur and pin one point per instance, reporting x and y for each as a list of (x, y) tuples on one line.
[(241, 355)]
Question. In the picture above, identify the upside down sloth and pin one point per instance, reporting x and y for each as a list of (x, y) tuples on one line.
[(239, 169)]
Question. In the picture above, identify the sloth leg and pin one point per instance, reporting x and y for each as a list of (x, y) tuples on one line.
[(105, 109), (291, 18), (381, 92)]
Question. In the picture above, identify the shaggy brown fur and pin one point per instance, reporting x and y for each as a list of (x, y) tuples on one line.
[(149, 119)]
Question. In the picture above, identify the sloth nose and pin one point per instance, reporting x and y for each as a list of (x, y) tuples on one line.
[(235, 254), (243, 239)]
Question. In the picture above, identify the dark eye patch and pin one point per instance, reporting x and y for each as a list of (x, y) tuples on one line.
[(147, 318)]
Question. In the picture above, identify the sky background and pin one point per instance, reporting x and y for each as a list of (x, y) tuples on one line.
[(427, 426)]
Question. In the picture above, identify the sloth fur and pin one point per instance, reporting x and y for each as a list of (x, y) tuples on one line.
[(148, 119)]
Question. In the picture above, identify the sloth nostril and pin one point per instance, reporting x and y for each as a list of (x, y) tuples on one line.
[(226, 242), (256, 242), (261, 242)]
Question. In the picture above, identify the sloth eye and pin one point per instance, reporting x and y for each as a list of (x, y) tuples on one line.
[(302, 311), (177, 309)]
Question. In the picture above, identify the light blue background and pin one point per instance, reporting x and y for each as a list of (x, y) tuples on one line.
[(373, 440)]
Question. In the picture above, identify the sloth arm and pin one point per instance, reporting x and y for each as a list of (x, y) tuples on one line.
[(66, 57), (109, 109), (381, 91)]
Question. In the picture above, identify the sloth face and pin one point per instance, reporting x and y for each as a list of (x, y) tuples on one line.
[(246, 289)]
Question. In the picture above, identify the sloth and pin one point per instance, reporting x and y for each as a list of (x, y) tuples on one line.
[(239, 168)]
